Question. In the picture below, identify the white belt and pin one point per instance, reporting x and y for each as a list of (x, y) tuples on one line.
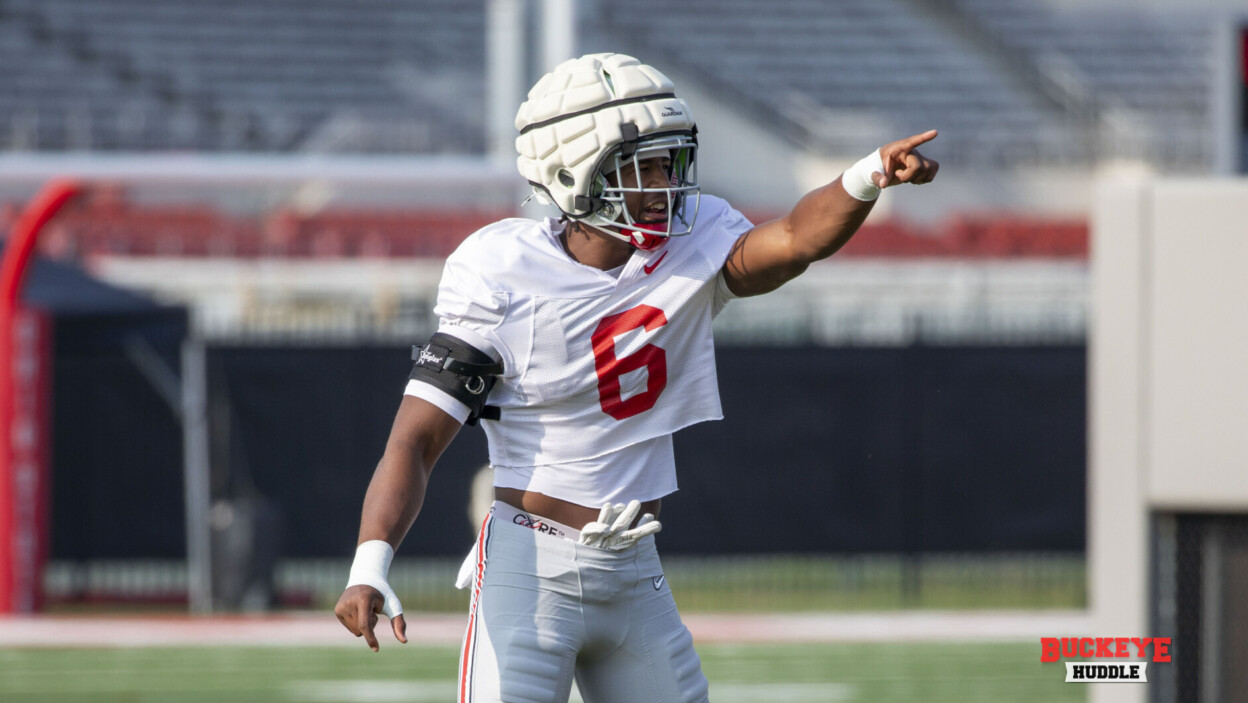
[(508, 513)]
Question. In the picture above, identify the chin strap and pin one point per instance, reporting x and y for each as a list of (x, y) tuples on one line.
[(639, 240), (645, 241)]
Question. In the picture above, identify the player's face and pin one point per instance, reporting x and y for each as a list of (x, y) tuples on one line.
[(652, 175)]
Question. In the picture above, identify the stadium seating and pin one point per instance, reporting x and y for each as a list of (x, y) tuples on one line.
[(1008, 81), (278, 75), (1143, 65), (983, 70)]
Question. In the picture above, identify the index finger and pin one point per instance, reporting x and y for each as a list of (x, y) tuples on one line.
[(626, 517), (366, 621), (911, 142)]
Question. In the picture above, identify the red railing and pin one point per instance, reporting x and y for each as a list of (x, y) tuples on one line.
[(110, 225)]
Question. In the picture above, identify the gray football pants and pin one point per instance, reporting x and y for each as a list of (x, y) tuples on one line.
[(546, 609)]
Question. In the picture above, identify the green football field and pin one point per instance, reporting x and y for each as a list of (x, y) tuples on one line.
[(788, 673)]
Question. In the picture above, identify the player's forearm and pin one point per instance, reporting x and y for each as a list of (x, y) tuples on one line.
[(394, 498), (421, 432), (823, 221), (776, 252)]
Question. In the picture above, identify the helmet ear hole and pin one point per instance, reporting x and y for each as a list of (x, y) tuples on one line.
[(566, 179)]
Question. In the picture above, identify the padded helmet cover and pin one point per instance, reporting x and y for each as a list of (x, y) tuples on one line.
[(578, 116)]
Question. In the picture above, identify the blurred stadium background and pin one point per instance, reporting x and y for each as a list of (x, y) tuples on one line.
[(268, 189)]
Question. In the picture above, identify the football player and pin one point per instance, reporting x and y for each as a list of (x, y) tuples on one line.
[(581, 344)]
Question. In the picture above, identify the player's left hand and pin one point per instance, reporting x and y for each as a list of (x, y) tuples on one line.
[(902, 164), (359, 606), (611, 529)]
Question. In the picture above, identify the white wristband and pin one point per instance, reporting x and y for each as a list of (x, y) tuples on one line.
[(371, 568), (857, 178)]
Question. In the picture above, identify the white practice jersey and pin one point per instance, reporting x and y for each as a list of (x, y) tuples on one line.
[(593, 363)]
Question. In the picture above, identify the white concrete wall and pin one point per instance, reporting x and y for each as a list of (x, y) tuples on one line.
[(1117, 520), (1168, 383), (1198, 373)]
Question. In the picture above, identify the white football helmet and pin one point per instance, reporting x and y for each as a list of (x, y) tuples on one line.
[(590, 118)]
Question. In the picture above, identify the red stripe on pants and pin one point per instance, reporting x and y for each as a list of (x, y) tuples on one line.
[(465, 670)]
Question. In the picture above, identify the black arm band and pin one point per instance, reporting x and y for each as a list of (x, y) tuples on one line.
[(458, 369)]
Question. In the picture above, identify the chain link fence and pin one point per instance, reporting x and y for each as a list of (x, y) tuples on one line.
[(1200, 575)]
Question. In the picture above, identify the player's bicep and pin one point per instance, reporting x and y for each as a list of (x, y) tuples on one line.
[(763, 259), (422, 428)]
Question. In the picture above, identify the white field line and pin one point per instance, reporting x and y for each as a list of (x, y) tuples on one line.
[(322, 629), (440, 691)]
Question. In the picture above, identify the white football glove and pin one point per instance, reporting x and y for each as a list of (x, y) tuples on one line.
[(371, 566), (467, 569), (611, 531)]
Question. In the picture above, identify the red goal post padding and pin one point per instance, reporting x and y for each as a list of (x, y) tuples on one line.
[(24, 411)]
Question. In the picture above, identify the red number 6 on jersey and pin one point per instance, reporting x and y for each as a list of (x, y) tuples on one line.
[(609, 367)]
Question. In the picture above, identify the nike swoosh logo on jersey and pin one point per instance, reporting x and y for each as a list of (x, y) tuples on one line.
[(657, 580), (648, 269)]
